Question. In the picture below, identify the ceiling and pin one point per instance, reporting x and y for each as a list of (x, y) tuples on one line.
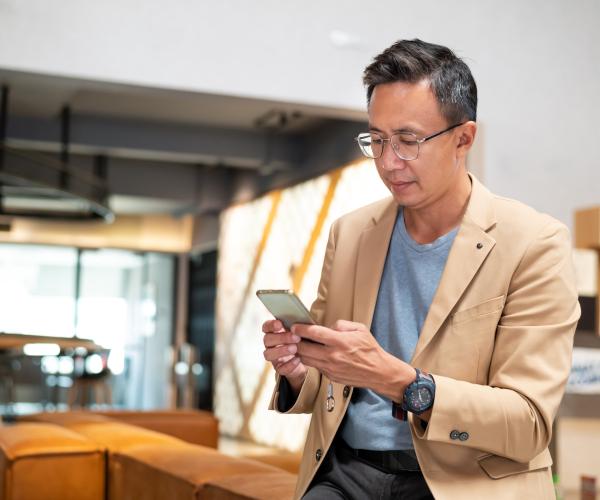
[(44, 96), (149, 134)]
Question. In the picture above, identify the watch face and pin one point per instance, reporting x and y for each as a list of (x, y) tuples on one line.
[(423, 397), (419, 399), (419, 395)]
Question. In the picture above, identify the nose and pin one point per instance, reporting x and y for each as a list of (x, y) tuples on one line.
[(389, 160)]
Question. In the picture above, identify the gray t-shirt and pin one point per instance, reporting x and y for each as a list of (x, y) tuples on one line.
[(410, 278)]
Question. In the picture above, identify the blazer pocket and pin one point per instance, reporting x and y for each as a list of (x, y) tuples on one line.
[(498, 467), (489, 307), (472, 337)]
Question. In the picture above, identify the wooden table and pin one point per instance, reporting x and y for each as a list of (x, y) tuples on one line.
[(18, 340)]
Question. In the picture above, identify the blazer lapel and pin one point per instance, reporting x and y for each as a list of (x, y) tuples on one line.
[(469, 250), (372, 252)]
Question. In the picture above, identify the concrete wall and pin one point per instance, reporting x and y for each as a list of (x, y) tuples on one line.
[(536, 63)]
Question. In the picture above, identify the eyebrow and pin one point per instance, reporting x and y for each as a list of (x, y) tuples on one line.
[(395, 131)]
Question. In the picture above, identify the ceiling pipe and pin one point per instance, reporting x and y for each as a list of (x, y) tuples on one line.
[(101, 173)]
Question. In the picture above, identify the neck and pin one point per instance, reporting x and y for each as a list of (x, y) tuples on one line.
[(428, 223)]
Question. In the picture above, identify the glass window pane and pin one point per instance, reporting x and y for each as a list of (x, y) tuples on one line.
[(126, 305), (111, 282), (37, 289)]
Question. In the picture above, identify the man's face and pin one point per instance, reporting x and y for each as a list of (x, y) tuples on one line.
[(412, 107)]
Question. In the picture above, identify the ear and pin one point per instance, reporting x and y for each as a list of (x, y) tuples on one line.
[(466, 137)]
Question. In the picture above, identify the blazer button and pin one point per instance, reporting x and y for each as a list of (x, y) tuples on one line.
[(463, 436), (346, 391), (454, 435), (319, 454)]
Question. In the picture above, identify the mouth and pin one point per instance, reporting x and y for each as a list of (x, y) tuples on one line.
[(400, 184), (399, 187)]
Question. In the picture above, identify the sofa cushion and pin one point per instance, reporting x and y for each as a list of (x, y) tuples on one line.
[(193, 426), (45, 461), (150, 471), (289, 462), (63, 418), (116, 436)]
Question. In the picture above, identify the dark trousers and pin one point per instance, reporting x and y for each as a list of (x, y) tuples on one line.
[(345, 475)]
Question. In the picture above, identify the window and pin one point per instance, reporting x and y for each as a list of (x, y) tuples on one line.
[(37, 289)]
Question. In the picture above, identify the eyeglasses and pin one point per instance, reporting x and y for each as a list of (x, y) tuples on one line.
[(406, 145)]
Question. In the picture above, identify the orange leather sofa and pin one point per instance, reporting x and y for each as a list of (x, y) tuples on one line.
[(141, 463)]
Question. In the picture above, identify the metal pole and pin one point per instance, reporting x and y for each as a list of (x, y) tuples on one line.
[(77, 290), (3, 123), (181, 327), (65, 122), (3, 113), (3, 133)]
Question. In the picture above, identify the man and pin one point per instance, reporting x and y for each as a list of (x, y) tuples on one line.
[(447, 305)]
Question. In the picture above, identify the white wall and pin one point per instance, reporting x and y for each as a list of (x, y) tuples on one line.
[(537, 63)]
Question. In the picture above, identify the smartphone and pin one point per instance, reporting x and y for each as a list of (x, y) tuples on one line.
[(285, 306)]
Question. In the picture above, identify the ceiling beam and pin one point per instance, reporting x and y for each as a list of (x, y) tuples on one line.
[(135, 139)]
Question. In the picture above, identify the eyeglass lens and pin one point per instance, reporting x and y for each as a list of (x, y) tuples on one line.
[(405, 145)]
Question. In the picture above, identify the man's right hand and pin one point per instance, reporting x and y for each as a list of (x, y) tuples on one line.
[(281, 349)]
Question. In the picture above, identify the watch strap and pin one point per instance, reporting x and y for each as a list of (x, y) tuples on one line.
[(398, 412)]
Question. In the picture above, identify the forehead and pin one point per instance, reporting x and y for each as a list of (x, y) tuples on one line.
[(399, 104)]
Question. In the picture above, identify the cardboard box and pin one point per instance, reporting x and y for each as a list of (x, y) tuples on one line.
[(587, 277), (587, 228)]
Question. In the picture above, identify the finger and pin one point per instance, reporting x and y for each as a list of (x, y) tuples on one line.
[(281, 361), (287, 368), (342, 325), (274, 353), (272, 326), (306, 348), (273, 339), (316, 333)]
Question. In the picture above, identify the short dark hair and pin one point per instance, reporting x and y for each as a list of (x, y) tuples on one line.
[(412, 61)]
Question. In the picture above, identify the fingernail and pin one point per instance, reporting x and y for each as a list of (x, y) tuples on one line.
[(295, 338), (292, 349)]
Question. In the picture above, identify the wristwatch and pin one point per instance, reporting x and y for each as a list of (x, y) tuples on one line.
[(418, 396)]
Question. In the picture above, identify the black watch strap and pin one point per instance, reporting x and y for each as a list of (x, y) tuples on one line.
[(398, 412)]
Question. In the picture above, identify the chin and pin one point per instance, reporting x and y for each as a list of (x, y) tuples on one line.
[(404, 201), (403, 194)]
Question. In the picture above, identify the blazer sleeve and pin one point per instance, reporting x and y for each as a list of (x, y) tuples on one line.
[(512, 416), (282, 399)]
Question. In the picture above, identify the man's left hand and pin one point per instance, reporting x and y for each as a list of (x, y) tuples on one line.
[(348, 353)]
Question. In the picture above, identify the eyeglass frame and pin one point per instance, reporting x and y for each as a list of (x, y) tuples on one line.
[(418, 141)]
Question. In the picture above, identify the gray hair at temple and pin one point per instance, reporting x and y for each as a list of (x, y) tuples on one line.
[(412, 61)]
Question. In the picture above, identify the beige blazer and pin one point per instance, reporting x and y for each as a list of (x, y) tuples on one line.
[(497, 339)]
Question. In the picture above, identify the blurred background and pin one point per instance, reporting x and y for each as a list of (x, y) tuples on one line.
[(159, 162)]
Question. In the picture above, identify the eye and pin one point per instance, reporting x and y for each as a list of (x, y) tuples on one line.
[(407, 141)]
